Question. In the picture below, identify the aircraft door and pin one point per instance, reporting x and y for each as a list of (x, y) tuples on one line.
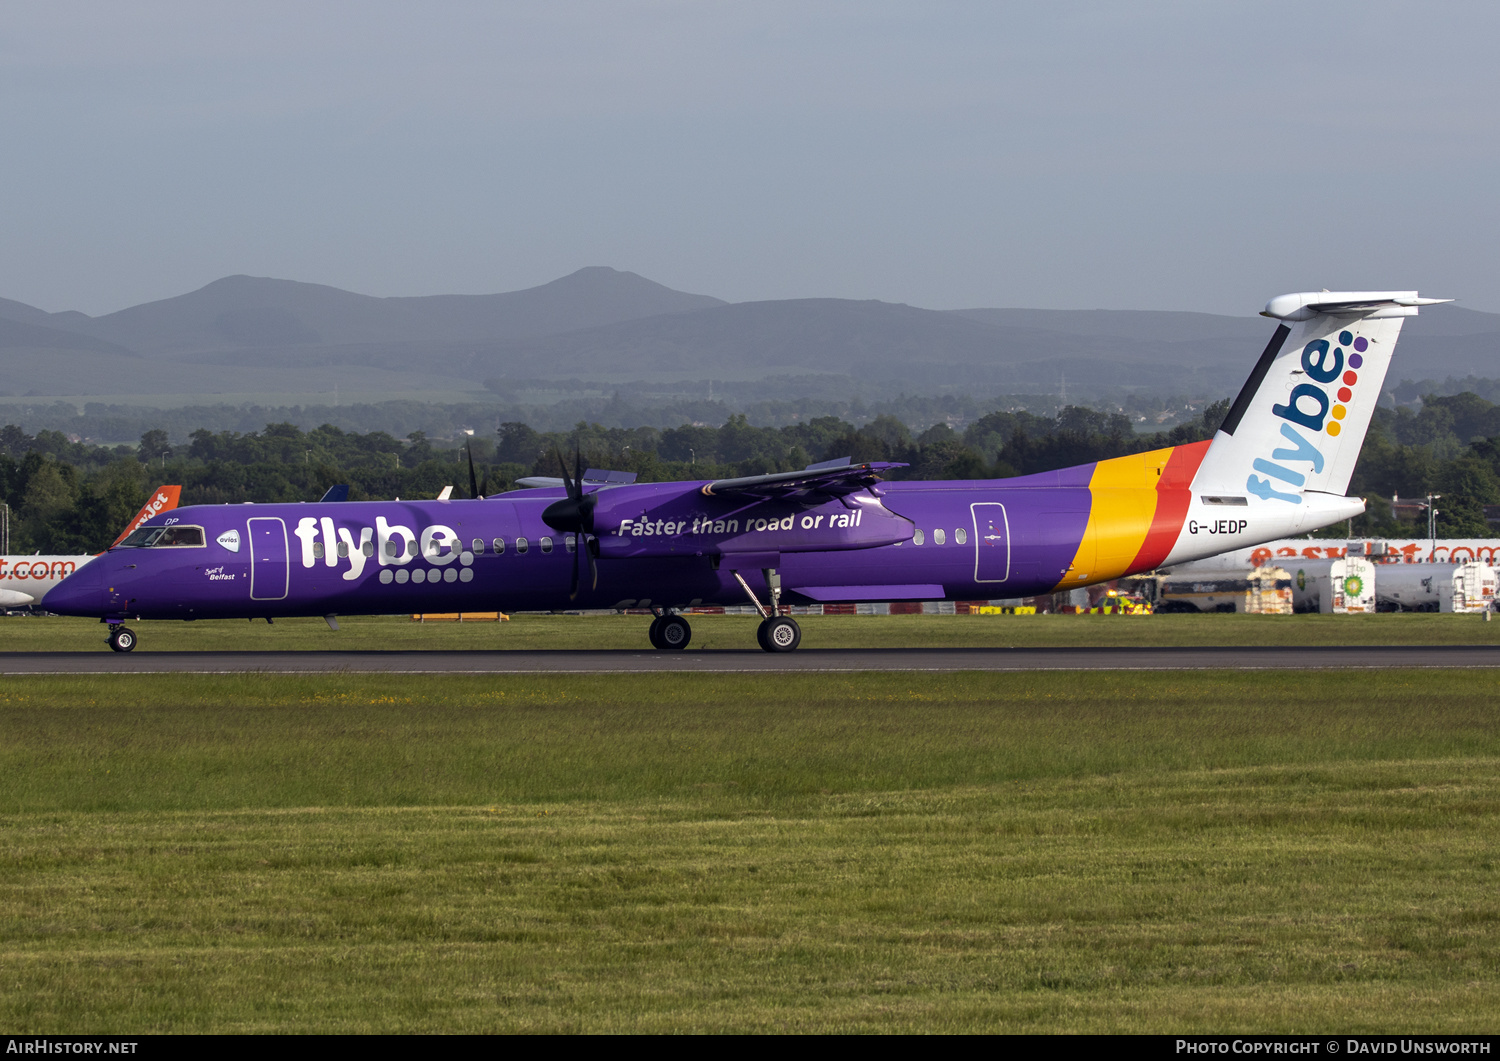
[(270, 567), (991, 542)]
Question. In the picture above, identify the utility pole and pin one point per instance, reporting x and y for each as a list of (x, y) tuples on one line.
[(1432, 515), (4, 529)]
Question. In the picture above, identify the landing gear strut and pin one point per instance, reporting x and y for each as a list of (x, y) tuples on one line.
[(121, 638), (670, 632), (776, 633)]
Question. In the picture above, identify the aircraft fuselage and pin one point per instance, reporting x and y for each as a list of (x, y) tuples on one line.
[(669, 545)]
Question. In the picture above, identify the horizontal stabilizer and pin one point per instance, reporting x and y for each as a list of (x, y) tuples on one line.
[(1305, 305)]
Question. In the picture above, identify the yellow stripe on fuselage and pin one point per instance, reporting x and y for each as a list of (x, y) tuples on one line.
[(1123, 503)]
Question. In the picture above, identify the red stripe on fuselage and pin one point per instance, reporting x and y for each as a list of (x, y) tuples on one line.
[(1173, 496)]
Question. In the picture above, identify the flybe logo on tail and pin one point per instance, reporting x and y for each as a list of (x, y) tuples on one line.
[(1310, 407)]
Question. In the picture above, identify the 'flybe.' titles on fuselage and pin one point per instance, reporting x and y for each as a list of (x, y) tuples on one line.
[(398, 545)]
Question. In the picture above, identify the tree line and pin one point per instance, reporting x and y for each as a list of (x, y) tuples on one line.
[(68, 496)]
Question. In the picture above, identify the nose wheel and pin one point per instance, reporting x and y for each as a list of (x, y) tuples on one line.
[(670, 632), (121, 638)]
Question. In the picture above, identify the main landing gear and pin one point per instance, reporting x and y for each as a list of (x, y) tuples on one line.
[(121, 638), (670, 632), (776, 633), (779, 633)]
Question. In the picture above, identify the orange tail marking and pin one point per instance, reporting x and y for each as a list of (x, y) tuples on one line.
[(1173, 497)]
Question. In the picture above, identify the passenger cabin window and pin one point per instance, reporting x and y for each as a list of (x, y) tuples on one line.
[(521, 545), (343, 549), (960, 535), (571, 542), (478, 544), (368, 548), (546, 545), (918, 537), (938, 537), (499, 544), (318, 550)]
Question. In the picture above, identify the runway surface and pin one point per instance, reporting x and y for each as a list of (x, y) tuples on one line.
[(851, 660)]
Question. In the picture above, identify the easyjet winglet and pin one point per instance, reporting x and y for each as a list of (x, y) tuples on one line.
[(163, 499)]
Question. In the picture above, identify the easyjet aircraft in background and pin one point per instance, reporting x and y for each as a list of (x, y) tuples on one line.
[(833, 532), (24, 580)]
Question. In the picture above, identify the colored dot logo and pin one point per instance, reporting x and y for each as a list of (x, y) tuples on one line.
[(1346, 393)]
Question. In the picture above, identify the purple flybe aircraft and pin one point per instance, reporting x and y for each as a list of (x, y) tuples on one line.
[(833, 532)]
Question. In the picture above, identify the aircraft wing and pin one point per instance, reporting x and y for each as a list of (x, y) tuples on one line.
[(829, 479)]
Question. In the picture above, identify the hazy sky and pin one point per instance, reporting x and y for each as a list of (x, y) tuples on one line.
[(1159, 155)]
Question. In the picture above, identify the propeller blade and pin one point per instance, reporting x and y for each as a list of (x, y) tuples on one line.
[(574, 487), (473, 482), (575, 516)]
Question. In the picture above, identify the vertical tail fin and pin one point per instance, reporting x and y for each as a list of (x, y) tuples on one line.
[(1300, 420), (163, 499)]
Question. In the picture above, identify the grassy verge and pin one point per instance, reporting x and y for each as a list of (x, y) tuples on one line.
[(1089, 852), (712, 632)]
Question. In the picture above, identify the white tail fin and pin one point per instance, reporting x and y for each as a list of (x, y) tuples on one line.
[(1298, 424)]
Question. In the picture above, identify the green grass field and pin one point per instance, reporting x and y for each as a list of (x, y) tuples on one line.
[(711, 632), (1304, 851)]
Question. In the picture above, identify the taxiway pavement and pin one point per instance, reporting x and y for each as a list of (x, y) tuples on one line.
[(835, 660)]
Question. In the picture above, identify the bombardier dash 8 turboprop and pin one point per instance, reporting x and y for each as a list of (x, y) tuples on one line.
[(833, 532)]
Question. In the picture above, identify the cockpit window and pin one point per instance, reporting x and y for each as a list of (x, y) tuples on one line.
[(140, 539), (180, 536), (160, 537)]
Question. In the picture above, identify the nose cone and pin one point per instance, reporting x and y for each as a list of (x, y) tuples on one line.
[(81, 593)]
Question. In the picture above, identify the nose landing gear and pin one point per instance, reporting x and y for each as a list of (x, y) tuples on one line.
[(121, 638)]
